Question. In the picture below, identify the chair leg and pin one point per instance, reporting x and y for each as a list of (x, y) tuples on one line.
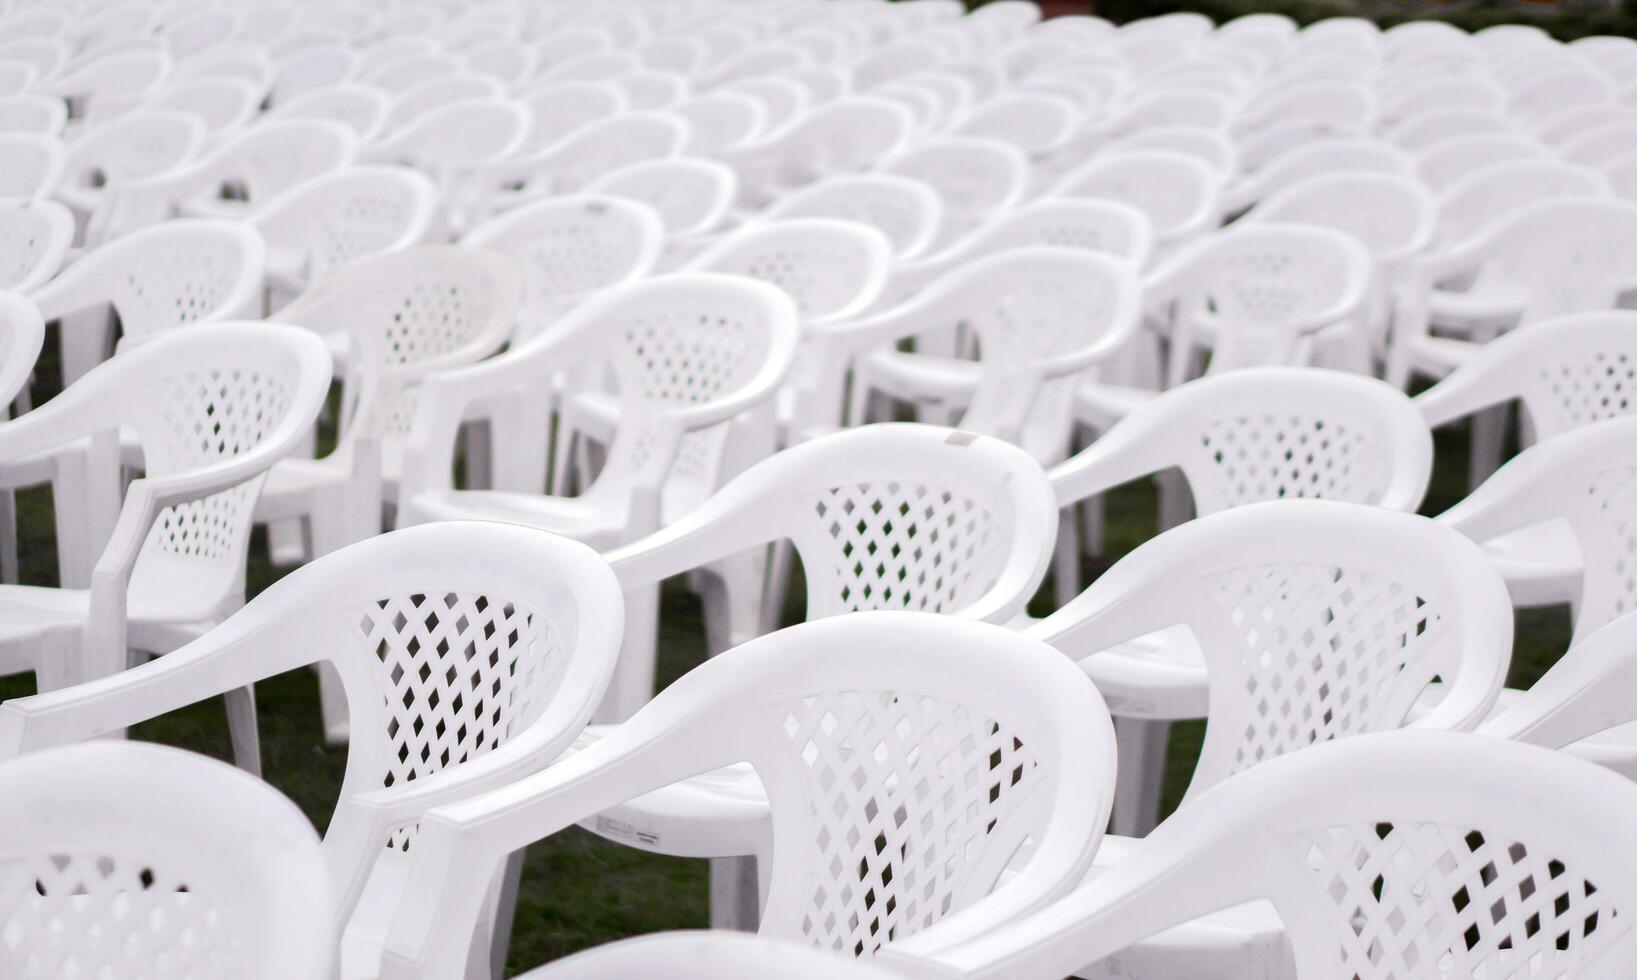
[(1091, 525), (241, 728), (562, 461), (9, 571), (778, 586), (1176, 503), (1488, 436), (732, 598), (1066, 558), (734, 894), (1140, 744), (500, 939), (285, 543), (632, 685)]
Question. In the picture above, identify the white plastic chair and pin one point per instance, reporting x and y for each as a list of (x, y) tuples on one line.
[(722, 120), (183, 271), (559, 109), (1553, 257), (104, 88), (851, 871), (1178, 193), (1565, 372), (906, 210), (132, 860), (691, 195), (1315, 159), (1427, 129), (977, 178), (325, 222), (245, 171), (581, 157), (137, 145), (1211, 147), (1497, 190), (31, 164), (34, 240), (450, 143), (515, 632), (224, 104), (213, 409), (1601, 145), (1451, 161), (1397, 854), (1038, 124), (417, 100), (360, 108), (312, 68), (31, 113), (844, 136)]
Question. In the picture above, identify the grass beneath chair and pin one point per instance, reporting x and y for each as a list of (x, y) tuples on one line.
[(578, 890)]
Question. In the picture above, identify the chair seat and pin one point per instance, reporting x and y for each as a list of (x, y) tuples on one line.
[(1438, 356), (1160, 676), (1541, 564), (722, 813), (1100, 405), (586, 519), (921, 377), (1486, 308)]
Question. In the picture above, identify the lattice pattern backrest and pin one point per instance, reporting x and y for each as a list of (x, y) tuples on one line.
[(100, 915), (892, 544), (572, 255), (22, 245), (820, 275), (461, 673), (439, 309), (179, 281), (146, 149), (271, 165), (1317, 652), (1578, 386), (358, 221), (905, 792), (1606, 523), (1271, 281), (1041, 313), (1249, 459), (1413, 899)]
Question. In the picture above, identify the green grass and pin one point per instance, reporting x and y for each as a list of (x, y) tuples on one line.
[(577, 889)]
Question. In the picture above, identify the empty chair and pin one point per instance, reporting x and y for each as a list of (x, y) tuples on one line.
[(243, 172), (1348, 439), (184, 271), (34, 241), (174, 563), (1353, 840), (137, 145), (325, 222), (1009, 741), (844, 136), (1547, 92), (360, 108), (223, 104), (129, 860), (31, 113), (977, 178), (1495, 191), (1446, 164), (574, 161), (449, 142), (691, 195), (515, 632), (1313, 160), (31, 164), (1178, 193), (1564, 372), (907, 211), (1553, 257), (103, 88), (559, 109)]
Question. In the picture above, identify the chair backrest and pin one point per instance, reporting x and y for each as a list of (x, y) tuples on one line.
[(417, 100), (893, 516), (907, 211), (833, 270), (1583, 478), (30, 166), (570, 247), (561, 108), (1406, 854), (184, 271), (124, 859), (1261, 434), (1498, 190), (452, 641), (1391, 215), (906, 759), (224, 104), (1317, 620), (722, 120), (360, 108), (1441, 167), (471, 130), (1034, 123), (976, 177), (1178, 193), (1318, 158), (844, 136), (691, 195), (601, 147), (22, 334), (139, 144), (34, 240), (330, 220), (1209, 146)]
